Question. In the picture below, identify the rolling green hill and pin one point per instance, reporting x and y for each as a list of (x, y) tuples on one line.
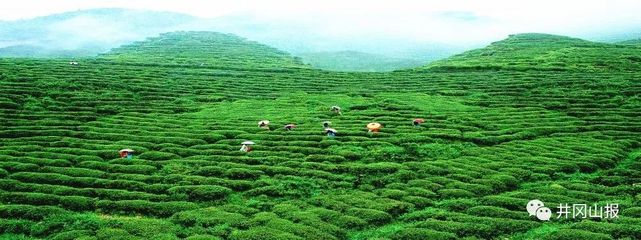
[(203, 49), (533, 51), (631, 41), (497, 135)]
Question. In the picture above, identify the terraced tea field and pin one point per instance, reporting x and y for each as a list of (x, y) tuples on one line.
[(500, 131)]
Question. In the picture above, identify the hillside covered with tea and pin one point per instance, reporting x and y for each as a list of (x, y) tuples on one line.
[(530, 117)]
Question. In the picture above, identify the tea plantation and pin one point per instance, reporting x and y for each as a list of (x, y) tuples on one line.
[(530, 117)]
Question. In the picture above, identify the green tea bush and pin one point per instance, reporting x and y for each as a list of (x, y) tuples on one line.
[(455, 193), (392, 193), (457, 205), (441, 151), (242, 173), (203, 237), (121, 184), (162, 209), (500, 226), (382, 168), (385, 153), (74, 234), (418, 202), (371, 216), (426, 184), (208, 217), (77, 203), (29, 212), (262, 233), (175, 168), (30, 198), (181, 151), (209, 193), (148, 228), (15, 226), (514, 204), (349, 152), (158, 156), (496, 212), (307, 218), (476, 189), (325, 158), (271, 220), (479, 230), (74, 172), (421, 192), (421, 233), (574, 234), (634, 212), (617, 231), (113, 233), (350, 222), (213, 138)]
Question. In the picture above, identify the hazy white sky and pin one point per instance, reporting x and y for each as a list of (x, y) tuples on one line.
[(457, 21)]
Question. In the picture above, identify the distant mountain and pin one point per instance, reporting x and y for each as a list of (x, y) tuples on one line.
[(86, 32), (203, 49), (357, 61), (631, 42), (535, 51), (90, 32)]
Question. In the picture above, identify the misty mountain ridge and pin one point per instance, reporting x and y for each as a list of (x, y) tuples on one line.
[(95, 31), (88, 32)]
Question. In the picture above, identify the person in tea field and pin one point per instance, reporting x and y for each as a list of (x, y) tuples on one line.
[(289, 127), (331, 133), (327, 124), (126, 153), (417, 122), (264, 124), (246, 146), (374, 127), (336, 109)]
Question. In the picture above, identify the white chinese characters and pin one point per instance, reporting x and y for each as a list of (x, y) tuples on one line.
[(574, 211)]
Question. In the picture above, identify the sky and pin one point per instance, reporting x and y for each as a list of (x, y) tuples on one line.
[(456, 22)]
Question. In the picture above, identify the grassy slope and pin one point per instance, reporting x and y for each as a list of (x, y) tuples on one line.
[(201, 49), (533, 51), (494, 139)]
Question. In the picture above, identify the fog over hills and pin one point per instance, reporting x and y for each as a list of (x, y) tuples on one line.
[(87, 32), (91, 32)]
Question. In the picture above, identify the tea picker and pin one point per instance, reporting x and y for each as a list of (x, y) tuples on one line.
[(336, 109), (326, 124), (289, 127), (331, 133), (126, 153), (246, 146), (374, 127), (417, 122), (264, 124)]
